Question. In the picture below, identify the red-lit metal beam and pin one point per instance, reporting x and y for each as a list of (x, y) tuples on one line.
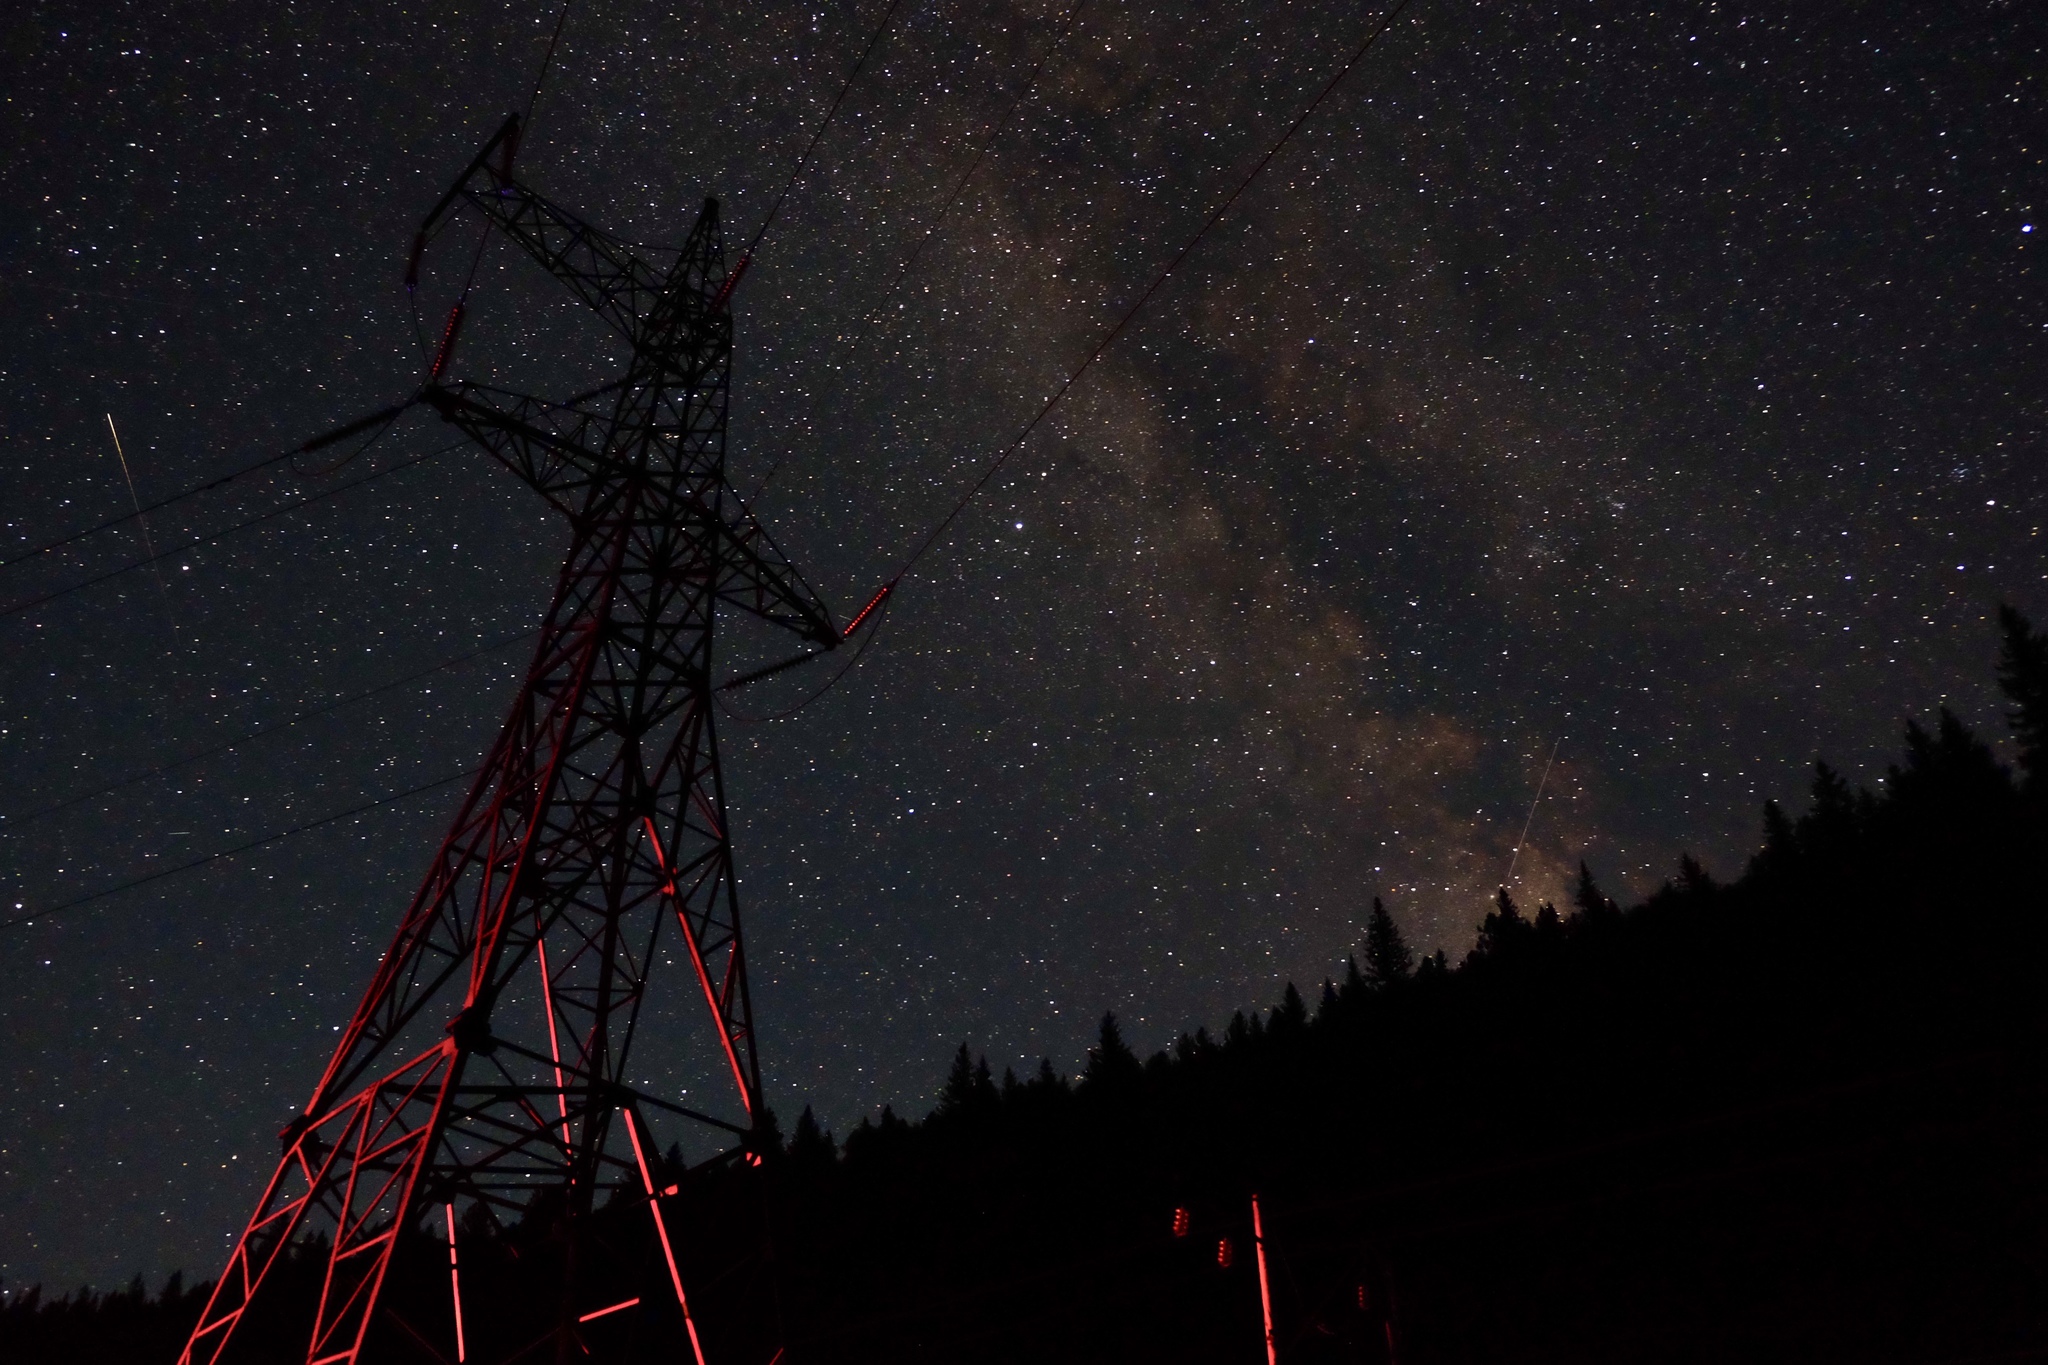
[(711, 994), (455, 1287), (597, 1313), (1265, 1286), (584, 830), (675, 1276)]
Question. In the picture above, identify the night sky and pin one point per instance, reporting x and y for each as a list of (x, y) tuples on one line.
[(1661, 389)]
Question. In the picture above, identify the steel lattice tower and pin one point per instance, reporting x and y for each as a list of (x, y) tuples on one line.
[(488, 1059)]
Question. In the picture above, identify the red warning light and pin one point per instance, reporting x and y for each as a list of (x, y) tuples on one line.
[(1180, 1222), (1364, 1300), (1225, 1253)]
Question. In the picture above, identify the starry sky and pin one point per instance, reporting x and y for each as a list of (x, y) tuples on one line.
[(1659, 388)]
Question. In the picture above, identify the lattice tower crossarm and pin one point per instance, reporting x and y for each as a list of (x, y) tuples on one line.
[(488, 1059)]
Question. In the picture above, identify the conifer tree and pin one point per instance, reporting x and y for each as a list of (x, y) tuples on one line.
[(2023, 677), (1781, 841), (1591, 903), (1503, 929), (1238, 1032), (958, 1095), (810, 1145), (1387, 957), (986, 1096), (1949, 771), (1111, 1063), (1290, 1016)]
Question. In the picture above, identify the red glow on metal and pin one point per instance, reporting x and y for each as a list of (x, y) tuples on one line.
[(1265, 1288), (448, 335), (1180, 1222), (455, 1286), (547, 1000), (671, 1191), (545, 843), (675, 1276), (711, 995), (732, 282), (602, 1312), (881, 596), (1225, 1253)]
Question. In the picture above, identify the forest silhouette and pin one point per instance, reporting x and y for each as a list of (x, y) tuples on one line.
[(1798, 1116)]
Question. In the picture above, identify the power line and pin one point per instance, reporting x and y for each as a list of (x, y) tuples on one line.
[(879, 609), (930, 540), (267, 462), (996, 130), (1108, 338), (20, 920), (9, 824), (817, 136), (225, 532)]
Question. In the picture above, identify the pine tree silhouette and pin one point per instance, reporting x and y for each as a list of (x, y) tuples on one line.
[(957, 1097), (811, 1146), (1592, 904), (1503, 931), (2023, 677), (1111, 1063), (1290, 1016), (1387, 957)]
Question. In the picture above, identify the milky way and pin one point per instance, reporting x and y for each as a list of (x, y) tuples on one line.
[(1658, 390)]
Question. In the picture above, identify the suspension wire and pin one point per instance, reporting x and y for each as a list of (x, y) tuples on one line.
[(547, 61), (817, 136), (11, 823), (1109, 337), (938, 531), (881, 610), (378, 431), (267, 462), (394, 798), (931, 539), (880, 311), (196, 542)]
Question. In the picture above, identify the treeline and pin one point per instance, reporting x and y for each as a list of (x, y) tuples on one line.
[(1799, 1115)]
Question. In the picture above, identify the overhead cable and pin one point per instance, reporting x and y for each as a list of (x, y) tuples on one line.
[(9, 824), (267, 462), (222, 534), (1108, 338), (817, 136), (51, 912), (932, 222)]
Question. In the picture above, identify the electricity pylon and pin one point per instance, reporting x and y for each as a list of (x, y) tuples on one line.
[(486, 1069)]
